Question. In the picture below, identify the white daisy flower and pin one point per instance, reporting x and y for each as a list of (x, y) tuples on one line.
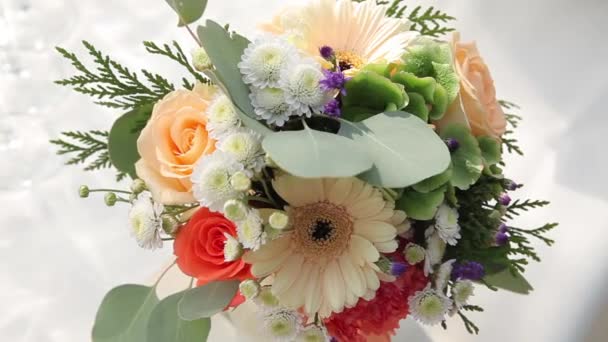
[(146, 222), (250, 231), (232, 248), (429, 306), (245, 146), (270, 105), (446, 224), (303, 93), (211, 180), (282, 324), (443, 275), (222, 117), (264, 60), (461, 292), (313, 333)]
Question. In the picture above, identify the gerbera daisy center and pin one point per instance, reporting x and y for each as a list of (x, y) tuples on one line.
[(321, 229), (349, 60)]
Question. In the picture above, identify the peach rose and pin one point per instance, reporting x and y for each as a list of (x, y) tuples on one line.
[(173, 140), (476, 105)]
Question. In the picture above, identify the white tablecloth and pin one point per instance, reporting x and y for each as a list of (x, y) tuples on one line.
[(61, 254)]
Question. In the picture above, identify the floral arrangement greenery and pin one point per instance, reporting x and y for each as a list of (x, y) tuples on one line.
[(342, 171)]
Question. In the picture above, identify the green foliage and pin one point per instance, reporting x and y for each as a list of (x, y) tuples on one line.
[(519, 206), (509, 280), (86, 147), (373, 92), (188, 11), (429, 22), (166, 326), (112, 84), (467, 159), (207, 300), (177, 54), (421, 206), (513, 120), (405, 150), (468, 324)]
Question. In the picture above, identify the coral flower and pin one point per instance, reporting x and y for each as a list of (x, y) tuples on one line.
[(359, 33), (327, 261)]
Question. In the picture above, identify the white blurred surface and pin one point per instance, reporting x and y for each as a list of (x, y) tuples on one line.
[(60, 254)]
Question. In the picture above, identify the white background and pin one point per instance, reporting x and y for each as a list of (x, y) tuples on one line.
[(59, 254)]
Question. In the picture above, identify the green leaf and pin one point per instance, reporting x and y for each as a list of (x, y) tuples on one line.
[(433, 183), (165, 325), (507, 281), (405, 150), (310, 153), (124, 313), (370, 90), (417, 106), (466, 160), (490, 150), (206, 301), (122, 142), (188, 11), (421, 206), (225, 51), (424, 86)]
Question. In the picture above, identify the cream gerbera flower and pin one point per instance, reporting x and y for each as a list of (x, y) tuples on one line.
[(325, 262), (360, 33)]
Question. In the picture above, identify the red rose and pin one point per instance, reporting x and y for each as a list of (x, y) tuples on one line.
[(199, 247)]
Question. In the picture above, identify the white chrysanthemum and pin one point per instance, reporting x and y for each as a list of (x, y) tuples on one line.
[(303, 93), (443, 275), (250, 288), (267, 301), (313, 333), (222, 118), (279, 220), (233, 249), (211, 180), (250, 231), (270, 105), (446, 224), (282, 324), (145, 221), (461, 292), (429, 306), (414, 253), (326, 261), (264, 60), (245, 146), (435, 249)]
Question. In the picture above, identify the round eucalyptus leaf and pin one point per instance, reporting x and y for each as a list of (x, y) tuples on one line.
[(207, 300), (165, 324)]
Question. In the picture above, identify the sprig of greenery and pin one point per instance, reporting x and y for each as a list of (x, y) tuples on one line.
[(429, 22), (518, 206), (114, 85), (177, 54), (468, 324)]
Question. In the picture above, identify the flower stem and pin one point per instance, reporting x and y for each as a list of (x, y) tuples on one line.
[(193, 35), (162, 275), (111, 190), (260, 199)]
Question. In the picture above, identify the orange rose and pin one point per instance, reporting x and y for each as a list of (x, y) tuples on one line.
[(173, 140), (199, 247), (476, 105)]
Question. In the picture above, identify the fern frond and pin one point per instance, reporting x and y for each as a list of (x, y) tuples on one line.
[(84, 146), (112, 84), (517, 207)]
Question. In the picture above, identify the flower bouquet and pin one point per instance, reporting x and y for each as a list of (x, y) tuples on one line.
[(342, 171)]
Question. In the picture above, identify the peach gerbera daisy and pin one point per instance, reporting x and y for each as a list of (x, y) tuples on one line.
[(359, 33), (326, 261)]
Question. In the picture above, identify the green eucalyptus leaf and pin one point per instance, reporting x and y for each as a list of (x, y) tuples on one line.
[(421, 206), (507, 281), (207, 300), (370, 90), (433, 183), (417, 106), (490, 150), (404, 149), (122, 141), (123, 314), (356, 114), (225, 51), (165, 325), (188, 11), (466, 160), (310, 153)]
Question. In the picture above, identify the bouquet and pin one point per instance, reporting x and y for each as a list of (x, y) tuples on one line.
[(342, 170)]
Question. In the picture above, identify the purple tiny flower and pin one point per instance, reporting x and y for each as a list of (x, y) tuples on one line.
[(333, 339), (332, 108), (452, 144), (511, 185), (326, 52), (503, 228), (398, 268), (504, 199), (501, 238), (334, 80), (468, 270)]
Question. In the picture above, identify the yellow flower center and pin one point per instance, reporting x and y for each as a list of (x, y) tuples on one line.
[(349, 60), (321, 230)]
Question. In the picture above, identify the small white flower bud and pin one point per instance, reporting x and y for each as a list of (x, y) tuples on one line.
[(414, 253), (235, 210), (138, 186), (200, 59), (279, 220), (169, 224), (232, 248), (83, 191), (110, 199), (240, 181), (250, 288)]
